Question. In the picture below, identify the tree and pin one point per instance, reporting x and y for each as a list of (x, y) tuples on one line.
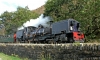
[(22, 15), (13, 20), (6, 20), (85, 11)]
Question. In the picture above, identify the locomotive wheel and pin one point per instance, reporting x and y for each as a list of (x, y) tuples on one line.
[(71, 40), (51, 42), (59, 41), (17, 41), (26, 41), (84, 40), (54, 42), (44, 42)]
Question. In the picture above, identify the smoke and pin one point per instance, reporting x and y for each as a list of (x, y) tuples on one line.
[(35, 22)]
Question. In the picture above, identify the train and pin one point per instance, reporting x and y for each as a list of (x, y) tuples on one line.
[(64, 31)]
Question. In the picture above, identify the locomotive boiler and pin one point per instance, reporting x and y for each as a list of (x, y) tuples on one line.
[(58, 32)]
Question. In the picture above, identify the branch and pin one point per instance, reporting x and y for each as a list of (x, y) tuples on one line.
[(87, 33)]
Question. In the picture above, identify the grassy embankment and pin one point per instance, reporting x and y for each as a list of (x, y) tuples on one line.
[(7, 57)]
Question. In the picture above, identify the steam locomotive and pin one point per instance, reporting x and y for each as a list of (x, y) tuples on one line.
[(58, 32)]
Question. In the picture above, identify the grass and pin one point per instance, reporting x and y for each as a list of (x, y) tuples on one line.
[(7, 57)]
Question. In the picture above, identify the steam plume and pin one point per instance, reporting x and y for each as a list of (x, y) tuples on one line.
[(35, 22)]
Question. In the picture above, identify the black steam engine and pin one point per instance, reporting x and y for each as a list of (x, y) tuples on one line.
[(58, 32)]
